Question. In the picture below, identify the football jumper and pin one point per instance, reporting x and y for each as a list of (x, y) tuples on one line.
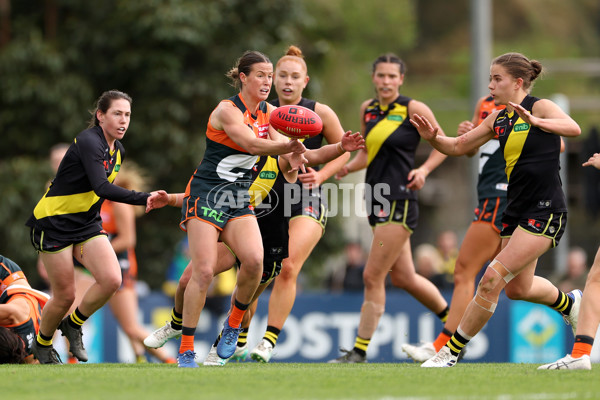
[(27, 329), (492, 178), (391, 142), (310, 203), (532, 165), (70, 208), (492, 182), (218, 189)]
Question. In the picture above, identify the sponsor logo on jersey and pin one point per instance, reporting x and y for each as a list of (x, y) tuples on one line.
[(398, 118), (263, 130), (521, 127), (267, 175)]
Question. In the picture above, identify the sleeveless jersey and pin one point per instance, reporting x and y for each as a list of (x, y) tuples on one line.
[(492, 180), (225, 167), (391, 142), (267, 198), (71, 205), (532, 165)]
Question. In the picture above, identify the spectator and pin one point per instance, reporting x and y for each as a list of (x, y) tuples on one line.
[(577, 270), (429, 263), (349, 277), (447, 245)]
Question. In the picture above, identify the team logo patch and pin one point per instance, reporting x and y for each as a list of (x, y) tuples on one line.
[(537, 225)]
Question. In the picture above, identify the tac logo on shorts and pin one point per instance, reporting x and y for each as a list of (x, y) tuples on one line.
[(551, 230), (521, 127), (537, 225)]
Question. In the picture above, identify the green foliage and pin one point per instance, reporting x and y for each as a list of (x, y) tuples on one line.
[(21, 179), (171, 56)]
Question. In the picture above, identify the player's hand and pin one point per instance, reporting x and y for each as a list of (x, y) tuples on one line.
[(424, 127), (464, 127), (157, 199), (352, 141), (524, 114), (416, 178), (310, 178), (342, 172), (297, 161), (295, 146), (594, 161)]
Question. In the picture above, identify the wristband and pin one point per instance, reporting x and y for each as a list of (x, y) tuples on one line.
[(341, 148), (172, 199)]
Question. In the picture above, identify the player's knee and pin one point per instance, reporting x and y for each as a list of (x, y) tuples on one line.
[(289, 272), (515, 292), (372, 279), (111, 284), (63, 299)]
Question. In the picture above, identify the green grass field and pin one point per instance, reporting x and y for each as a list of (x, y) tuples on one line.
[(248, 381)]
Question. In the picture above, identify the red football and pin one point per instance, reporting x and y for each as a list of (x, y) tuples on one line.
[(296, 122)]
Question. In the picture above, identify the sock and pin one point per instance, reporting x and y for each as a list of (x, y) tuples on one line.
[(176, 320), (43, 340), (243, 338), (442, 339), (187, 339), (235, 318), (443, 316), (272, 334), (582, 346), (458, 341), (76, 319), (563, 303), (360, 346)]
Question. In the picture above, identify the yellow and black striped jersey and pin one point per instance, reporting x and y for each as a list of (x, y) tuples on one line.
[(532, 165), (71, 205), (391, 142)]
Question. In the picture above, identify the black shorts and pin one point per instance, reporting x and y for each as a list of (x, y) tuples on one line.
[(207, 211), (271, 268), (404, 212), (551, 226), (54, 242), (312, 205), (490, 211)]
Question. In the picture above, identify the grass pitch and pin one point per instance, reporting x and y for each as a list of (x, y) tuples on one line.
[(283, 381)]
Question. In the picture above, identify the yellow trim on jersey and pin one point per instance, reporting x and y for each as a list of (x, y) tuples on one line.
[(262, 185), (514, 144), (384, 128), (72, 203)]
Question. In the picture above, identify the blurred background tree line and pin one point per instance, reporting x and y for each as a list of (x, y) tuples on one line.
[(171, 56)]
